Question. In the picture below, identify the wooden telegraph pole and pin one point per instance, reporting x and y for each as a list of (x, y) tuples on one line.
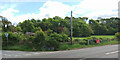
[(71, 28)]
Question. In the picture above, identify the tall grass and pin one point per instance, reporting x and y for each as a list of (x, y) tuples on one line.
[(97, 36), (76, 46)]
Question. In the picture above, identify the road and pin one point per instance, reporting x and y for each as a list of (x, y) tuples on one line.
[(108, 51)]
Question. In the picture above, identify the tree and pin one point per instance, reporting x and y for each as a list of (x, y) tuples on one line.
[(97, 28), (18, 28), (36, 29), (118, 35), (80, 28), (40, 39), (6, 24), (26, 26), (49, 32), (111, 24)]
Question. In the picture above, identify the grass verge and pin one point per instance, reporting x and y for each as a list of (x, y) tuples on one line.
[(62, 47), (97, 36), (78, 46)]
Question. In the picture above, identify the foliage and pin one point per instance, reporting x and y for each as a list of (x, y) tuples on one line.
[(52, 44), (89, 38), (83, 42), (80, 28), (53, 32), (39, 39), (13, 39), (26, 26), (18, 28), (49, 32), (117, 35), (104, 26), (59, 37)]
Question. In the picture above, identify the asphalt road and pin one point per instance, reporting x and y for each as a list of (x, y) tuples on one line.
[(108, 51)]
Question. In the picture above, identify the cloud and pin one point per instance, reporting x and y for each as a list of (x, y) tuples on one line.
[(51, 9), (9, 13), (86, 8), (99, 8)]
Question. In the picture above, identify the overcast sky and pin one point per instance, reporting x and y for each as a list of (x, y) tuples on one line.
[(17, 11)]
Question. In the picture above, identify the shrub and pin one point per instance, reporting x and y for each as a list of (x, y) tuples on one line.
[(76, 40), (92, 40), (13, 39), (64, 47), (52, 45), (65, 37), (117, 35), (89, 38), (39, 39), (55, 36), (29, 42), (59, 37), (24, 39), (49, 32), (83, 42)]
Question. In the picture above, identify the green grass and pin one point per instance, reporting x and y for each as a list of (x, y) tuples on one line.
[(78, 46), (62, 47), (17, 48), (97, 36), (103, 36), (67, 46)]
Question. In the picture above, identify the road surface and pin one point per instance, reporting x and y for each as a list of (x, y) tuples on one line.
[(108, 51)]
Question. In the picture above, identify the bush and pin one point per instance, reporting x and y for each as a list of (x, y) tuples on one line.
[(89, 38), (92, 40), (39, 41), (13, 39), (65, 37), (117, 35), (64, 47), (49, 32), (55, 36), (59, 37), (29, 42), (76, 40), (52, 45), (24, 39), (83, 42)]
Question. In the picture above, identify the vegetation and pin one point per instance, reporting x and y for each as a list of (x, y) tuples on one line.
[(76, 46), (117, 35), (97, 36), (53, 33)]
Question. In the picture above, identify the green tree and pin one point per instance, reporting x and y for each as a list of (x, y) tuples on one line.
[(40, 39), (118, 35), (6, 24), (97, 27), (18, 28), (80, 28), (111, 24), (27, 26)]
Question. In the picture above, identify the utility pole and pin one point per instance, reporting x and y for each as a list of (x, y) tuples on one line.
[(71, 28)]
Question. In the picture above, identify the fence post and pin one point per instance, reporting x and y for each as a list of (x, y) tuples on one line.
[(88, 42)]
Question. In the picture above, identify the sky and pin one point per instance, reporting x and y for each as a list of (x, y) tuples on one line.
[(18, 11)]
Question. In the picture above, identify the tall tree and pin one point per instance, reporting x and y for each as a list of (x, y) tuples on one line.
[(27, 26)]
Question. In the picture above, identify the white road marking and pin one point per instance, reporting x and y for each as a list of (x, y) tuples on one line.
[(111, 52)]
